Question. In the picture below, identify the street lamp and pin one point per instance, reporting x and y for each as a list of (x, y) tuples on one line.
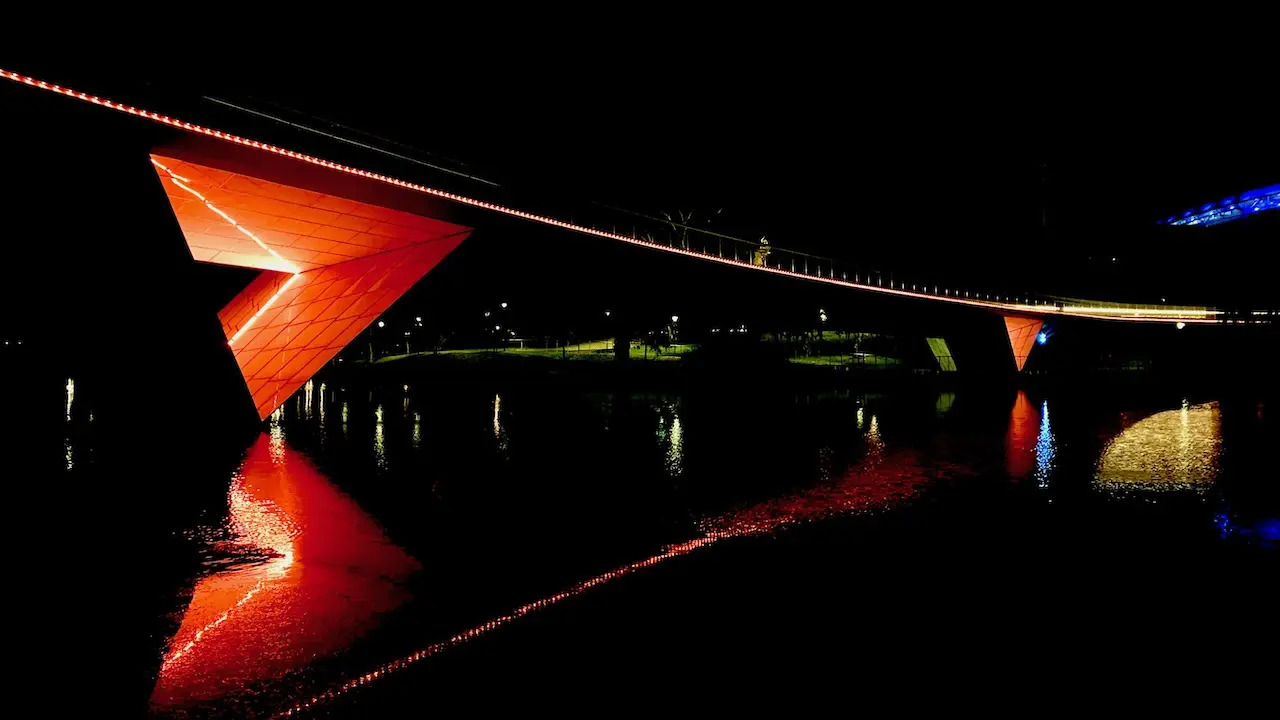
[(381, 324), (504, 306), (675, 318)]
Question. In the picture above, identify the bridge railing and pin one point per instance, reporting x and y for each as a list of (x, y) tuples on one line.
[(763, 255)]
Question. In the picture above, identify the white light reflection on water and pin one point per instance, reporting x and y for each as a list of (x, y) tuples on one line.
[(497, 416), (875, 445), (1171, 450), (71, 396), (499, 433), (671, 439), (379, 440)]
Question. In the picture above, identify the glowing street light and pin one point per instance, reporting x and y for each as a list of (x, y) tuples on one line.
[(675, 318), (504, 306), (1181, 325), (381, 324)]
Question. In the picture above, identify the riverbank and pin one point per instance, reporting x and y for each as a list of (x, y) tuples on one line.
[(598, 369)]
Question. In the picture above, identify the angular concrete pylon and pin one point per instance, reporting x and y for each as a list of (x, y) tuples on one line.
[(330, 266), (1022, 336)]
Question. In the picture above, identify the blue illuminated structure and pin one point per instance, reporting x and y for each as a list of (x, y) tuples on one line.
[(1232, 208), (1042, 338)]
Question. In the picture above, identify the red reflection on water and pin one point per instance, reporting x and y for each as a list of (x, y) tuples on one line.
[(879, 481), (330, 571), (1020, 442)]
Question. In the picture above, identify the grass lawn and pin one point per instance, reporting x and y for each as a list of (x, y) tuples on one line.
[(597, 350)]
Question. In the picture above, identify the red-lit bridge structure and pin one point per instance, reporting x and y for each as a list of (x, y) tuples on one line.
[(337, 245)]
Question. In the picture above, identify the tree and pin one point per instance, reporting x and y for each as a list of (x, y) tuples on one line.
[(658, 341)]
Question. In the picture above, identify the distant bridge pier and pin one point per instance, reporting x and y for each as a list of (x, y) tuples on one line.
[(1023, 332)]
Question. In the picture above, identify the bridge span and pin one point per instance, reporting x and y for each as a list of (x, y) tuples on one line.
[(320, 250)]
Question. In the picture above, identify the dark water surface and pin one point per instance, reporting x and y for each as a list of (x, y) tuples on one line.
[(410, 551)]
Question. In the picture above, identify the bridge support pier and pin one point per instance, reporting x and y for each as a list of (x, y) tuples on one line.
[(1022, 337)]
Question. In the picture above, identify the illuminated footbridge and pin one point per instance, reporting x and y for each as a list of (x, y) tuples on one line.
[(337, 245)]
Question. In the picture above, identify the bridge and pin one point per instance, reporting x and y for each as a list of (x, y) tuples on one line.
[(337, 245)]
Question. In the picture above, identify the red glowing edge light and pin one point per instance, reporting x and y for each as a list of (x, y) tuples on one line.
[(1097, 313), (179, 180)]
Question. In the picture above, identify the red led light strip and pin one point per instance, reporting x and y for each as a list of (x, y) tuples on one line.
[(877, 482), (1202, 316), (671, 551)]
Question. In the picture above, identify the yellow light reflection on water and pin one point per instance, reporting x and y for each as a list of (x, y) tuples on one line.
[(499, 433), (1171, 450)]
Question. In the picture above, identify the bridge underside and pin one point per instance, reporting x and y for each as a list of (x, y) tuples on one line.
[(330, 266)]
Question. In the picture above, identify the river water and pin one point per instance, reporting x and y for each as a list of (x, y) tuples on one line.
[(420, 548)]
